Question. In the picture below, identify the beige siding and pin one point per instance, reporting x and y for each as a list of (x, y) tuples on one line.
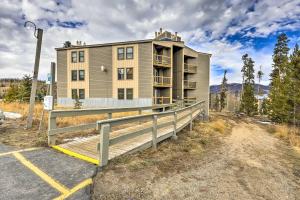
[(62, 81), (78, 66), (178, 74), (100, 82), (145, 70), (126, 63)]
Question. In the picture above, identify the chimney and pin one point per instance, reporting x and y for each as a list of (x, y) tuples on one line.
[(155, 34), (160, 30)]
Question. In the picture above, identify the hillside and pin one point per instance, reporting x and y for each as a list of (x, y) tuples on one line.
[(233, 87)]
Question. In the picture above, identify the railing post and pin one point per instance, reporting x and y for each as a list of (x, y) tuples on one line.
[(104, 144), (174, 136), (191, 118), (51, 125), (154, 132)]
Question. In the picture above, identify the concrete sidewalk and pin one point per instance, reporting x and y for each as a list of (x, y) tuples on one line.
[(43, 174)]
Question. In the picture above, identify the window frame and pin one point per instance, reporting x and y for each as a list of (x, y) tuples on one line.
[(81, 56), (73, 76), (118, 54), (73, 53), (127, 94), (118, 70), (79, 97), (76, 94), (82, 70), (131, 47), (118, 93), (126, 72)]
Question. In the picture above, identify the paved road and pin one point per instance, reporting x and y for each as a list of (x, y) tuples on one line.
[(43, 174)]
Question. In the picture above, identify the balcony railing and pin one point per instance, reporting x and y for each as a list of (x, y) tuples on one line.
[(190, 68), (161, 100), (189, 100), (162, 81), (189, 84), (161, 60)]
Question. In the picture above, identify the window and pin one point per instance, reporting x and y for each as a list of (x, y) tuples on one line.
[(120, 53), (129, 73), (81, 56), (81, 93), (74, 93), (121, 74), (129, 93), (129, 53), (81, 75), (121, 92), (74, 75), (74, 57)]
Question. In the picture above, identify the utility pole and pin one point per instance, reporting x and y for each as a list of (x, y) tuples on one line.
[(38, 33)]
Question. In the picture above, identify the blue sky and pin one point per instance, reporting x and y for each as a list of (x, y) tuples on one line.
[(226, 29)]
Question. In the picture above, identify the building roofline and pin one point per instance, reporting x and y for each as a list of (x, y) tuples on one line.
[(209, 54), (105, 44)]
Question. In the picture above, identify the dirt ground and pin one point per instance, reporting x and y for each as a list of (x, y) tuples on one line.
[(246, 163)]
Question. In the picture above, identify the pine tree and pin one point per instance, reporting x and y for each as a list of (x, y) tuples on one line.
[(223, 92), (295, 81), (248, 101), (217, 103), (25, 88), (12, 93), (280, 107), (259, 76)]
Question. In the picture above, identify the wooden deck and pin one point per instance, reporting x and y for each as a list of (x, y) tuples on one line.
[(88, 148)]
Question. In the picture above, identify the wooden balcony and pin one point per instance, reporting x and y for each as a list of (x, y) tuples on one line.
[(161, 100), (161, 60), (190, 68), (162, 81), (189, 100), (189, 84)]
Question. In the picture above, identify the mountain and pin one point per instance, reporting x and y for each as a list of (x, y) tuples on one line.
[(233, 87)]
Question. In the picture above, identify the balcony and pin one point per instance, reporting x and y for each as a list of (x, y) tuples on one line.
[(190, 68), (189, 84), (189, 100), (162, 81), (161, 60), (161, 100)]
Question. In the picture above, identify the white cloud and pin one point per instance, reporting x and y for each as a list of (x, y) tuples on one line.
[(204, 24)]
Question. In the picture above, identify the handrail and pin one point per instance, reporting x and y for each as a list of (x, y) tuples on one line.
[(53, 115), (162, 60), (162, 81), (190, 68), (161, 100), (150, 126), (189, 84)]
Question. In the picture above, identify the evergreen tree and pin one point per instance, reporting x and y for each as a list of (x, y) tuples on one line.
[(217, 103), (280, 107), (295, 81), (12, 93), (25, 88), (223, 92), (259, 76), (248, 101)]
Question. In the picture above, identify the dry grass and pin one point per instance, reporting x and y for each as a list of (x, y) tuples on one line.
[(287, 133)]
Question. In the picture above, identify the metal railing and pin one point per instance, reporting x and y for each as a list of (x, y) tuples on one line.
[(53, 130), (162, 81), (189, 84), (190, 68), (161, 60), (152, 124), (161, 100)]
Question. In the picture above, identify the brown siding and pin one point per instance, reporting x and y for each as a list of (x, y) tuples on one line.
[(100, 82), (178, 73), (62, 81), (145, 70)]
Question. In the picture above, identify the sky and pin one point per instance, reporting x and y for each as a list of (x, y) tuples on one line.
[(226, 29)]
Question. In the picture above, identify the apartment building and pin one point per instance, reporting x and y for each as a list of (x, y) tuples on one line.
[(132, 73)]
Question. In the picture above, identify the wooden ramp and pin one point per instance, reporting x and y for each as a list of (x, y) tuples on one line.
[(129, 137)]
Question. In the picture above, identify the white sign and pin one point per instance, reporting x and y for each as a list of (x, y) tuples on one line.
[(49, 79), (48, 102)]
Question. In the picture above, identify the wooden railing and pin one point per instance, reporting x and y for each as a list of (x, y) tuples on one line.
[(53, 130), (153, 124), (189, 84), (161, 100), (161, 60), (190, 100), (162, 81), (190, 68)]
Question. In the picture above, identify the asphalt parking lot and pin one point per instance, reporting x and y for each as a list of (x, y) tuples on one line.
[(43, 173)]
